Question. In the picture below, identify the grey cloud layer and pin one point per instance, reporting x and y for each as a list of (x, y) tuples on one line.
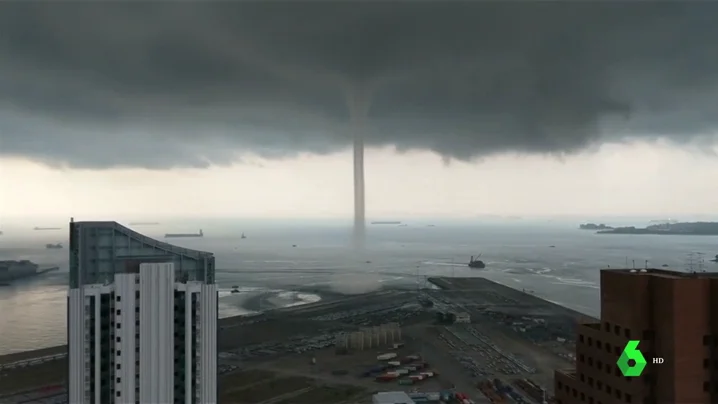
[(160, 84)]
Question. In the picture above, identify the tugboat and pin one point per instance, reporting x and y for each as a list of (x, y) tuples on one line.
[(476, 263), (715, 259), (53, 246)]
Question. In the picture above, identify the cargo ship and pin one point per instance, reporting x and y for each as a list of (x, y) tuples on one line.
[(389, 222), (47, 228), (51, 246), (12, 270), (174, 235)]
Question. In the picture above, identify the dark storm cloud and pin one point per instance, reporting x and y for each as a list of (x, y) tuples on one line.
[(160, 84)]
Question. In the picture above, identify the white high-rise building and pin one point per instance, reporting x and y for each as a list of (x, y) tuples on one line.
[(145, 332)]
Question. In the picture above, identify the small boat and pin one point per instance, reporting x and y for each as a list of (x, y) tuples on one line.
[(235, 289), (476, 262), (243, 236), (53, 246), (715, 259)]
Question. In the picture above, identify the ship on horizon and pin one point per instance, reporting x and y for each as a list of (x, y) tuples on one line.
[(174, 235), (47, 228), (386, 222)]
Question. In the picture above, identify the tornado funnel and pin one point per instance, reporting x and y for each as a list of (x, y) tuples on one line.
[(358, 103), (359, 196)]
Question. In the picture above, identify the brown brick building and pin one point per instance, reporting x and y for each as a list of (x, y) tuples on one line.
[(674, 315)]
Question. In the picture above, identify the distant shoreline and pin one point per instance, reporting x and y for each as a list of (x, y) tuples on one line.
[(670, 229)]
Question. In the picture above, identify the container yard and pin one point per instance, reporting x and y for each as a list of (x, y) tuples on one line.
[(341, 351)]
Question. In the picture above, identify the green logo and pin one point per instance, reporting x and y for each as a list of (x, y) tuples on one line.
[(631, 352)]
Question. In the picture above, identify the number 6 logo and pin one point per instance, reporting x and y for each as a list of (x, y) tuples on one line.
[(631, 352)]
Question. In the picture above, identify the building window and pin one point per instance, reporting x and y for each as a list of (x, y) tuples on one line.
[(575, 393), (581, 358), (583, 397), (618, 394), (627, 333), (617, 329), (118, 298), (706, 340), (706, 386), (706, 363), (617, 351), (582, 378), (117, 380), (608, 389), (607, 326), (608, 348), (649, 334), (119, 352), (119, 325), (590, 400), (118, 366), (590, 341), (590, 361), (580, 338), (599, 384), (118, 393), (590, 381), (599, 365), (599, 345), (627, 398), (559, 384), (118, 339)]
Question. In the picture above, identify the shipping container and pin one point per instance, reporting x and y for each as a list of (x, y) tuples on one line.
[(427, 374), (406, 381), (386, 356), (414, 357), (417, 377), (402, 371), (411, 368), (394, 363), (433, 396), (446, 395)]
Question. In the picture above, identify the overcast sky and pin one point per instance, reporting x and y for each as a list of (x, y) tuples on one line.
[(248, 108)]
